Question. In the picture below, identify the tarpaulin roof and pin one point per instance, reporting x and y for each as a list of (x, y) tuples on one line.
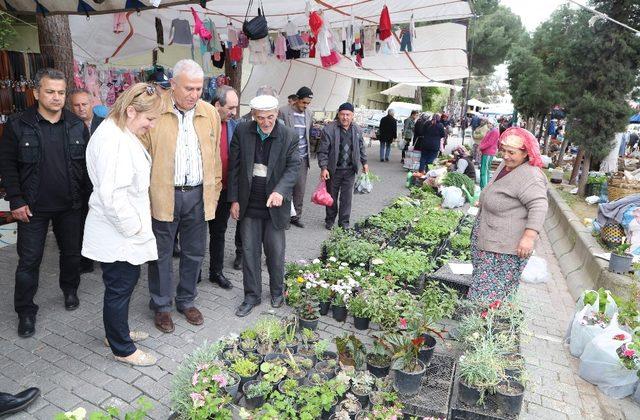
[(407, 90), (278, 12)]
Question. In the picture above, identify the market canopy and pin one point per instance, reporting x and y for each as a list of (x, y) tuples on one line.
[(476, 103), (407, 90)]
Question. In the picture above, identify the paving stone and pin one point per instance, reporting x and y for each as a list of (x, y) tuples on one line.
[(541, 412), (91, 393), (122, 390), (570, 410), (63, 399)]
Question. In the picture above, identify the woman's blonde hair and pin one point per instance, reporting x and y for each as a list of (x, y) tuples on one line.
[(143, 97)]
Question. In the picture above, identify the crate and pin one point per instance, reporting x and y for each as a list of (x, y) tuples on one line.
[(459, 282), (434, 396), (412, 160), (488, 411)]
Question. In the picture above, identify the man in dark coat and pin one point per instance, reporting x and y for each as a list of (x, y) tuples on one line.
[(263, 168), (388, 133), (341, 153), (42, 162)]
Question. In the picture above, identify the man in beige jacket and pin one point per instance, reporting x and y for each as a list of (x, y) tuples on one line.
[(185, 185)]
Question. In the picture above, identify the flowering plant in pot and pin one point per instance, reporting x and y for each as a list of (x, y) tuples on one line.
[(405, 349), (342, 292), (308, 313), (359, 308), (208, 393)]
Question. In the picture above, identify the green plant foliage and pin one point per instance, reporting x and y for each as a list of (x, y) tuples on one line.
[(7, 30), (403, 265), (343, 246), (455, 179)]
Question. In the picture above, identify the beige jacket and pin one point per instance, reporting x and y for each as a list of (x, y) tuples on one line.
[(516, 202), (160, 142)]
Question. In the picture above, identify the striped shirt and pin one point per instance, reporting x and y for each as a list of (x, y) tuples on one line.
[(300, 125), (188, 161)]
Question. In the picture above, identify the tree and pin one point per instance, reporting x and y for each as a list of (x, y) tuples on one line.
[(54, 36), (7, 31)]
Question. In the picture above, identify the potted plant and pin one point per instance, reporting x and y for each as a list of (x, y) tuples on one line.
[(359, 309), (343, 290), (327, 367), (361, 386), (509, 396), (513, 365), (620, 261), (295, 369), (232, 355), (348, 408), (246, 369), (289, 340), (409, 370), (255, 393), (272, 372), (308, 314), (323, 293), (269, 331), (288, 386), (317, 378), (479, 371), (378, 360), (351, 351)]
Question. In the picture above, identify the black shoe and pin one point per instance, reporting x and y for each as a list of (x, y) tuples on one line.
[(345, 226), (277, 301), (297, 222), (86, 266), (26, 325), (71, 301), (220, 280), (245, 308), (386, 160), (14, 403), (328, 226), (237, 262), (381, 160)]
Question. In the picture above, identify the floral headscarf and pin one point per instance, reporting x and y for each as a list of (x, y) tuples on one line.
[(523, 139)]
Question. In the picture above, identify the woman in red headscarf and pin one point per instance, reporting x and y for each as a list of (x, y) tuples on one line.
[(513, 206)]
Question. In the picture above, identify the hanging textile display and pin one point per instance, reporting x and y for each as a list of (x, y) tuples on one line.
[(388, 42), (17, 70), (199, 28), (325, 46)]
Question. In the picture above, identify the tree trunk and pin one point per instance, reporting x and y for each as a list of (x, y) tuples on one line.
[(544, 116), (452, 95), (576, 166), (54, 37), (465, 94), (584, 174), (563, 146), (235, 75)]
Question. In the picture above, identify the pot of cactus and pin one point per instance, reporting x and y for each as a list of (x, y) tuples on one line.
[(479, 371), (359, 309), (308, 314), (409, 370), (247, 369), (255, 393)]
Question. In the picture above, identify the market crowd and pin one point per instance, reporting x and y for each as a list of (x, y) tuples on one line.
[(163, 169)]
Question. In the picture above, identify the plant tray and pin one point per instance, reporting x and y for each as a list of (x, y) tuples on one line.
[(433, 398), (488, 411), (459, 282)]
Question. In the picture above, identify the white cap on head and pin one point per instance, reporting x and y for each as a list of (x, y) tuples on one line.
[(264, 103)]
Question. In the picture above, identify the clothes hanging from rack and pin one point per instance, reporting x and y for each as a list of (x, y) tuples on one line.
[(280, 49), (159, 34), (180, 32)]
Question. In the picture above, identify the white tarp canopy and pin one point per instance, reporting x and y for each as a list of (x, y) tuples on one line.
[(407, 90), (476, 103)]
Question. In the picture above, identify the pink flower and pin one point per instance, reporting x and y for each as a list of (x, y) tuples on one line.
[(629, 353), (194, 379), (620, 337), (403, 324), (220, 379), (495, 304), (198, 399), (484, 314)]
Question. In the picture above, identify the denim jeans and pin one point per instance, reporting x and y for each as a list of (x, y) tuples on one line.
[(385, 150), (119, 279), (67, 225)]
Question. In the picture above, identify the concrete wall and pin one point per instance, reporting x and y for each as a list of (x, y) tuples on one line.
[(574, 247)]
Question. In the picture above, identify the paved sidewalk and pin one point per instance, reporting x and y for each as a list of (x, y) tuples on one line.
[(68, 361)]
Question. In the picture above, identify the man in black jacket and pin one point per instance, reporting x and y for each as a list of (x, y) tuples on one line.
[(388, 133), (341, 152), (263, 168), (42, 162)]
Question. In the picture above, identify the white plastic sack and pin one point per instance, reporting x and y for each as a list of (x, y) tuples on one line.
[(452, 197), (610, 308), (536, 271), (636, 395), (546, 161), (436, 173), (600, 364), (401, 144), (582, 334), (592, 199), (363, 184)]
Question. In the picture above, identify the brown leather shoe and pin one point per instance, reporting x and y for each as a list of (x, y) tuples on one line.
[(164, 322), (193, 315)]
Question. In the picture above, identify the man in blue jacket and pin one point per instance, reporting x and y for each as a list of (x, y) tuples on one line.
[(226, 103)]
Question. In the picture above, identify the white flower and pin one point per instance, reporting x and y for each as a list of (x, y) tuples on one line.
[(361, 264), (377, 261), (344, 264), (333, 259), (357, 273), (316, 261)]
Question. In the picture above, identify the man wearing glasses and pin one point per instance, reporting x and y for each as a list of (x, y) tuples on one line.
[(185, 185)]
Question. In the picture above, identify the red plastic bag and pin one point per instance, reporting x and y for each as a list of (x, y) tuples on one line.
[(321, 196)]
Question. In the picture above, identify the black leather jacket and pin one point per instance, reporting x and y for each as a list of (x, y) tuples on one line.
[(21, 154)]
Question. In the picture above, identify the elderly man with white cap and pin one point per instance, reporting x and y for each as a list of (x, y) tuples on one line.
[(263, 168)]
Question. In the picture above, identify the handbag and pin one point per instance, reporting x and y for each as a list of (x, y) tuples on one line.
[(257, 27)]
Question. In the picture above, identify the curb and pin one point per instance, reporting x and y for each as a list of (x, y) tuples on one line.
[(574, 248)]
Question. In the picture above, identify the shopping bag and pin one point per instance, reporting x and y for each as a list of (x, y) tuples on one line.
[(452, 198), (535, 271), (321, 196), (610, 307), (363, 184), (583, 330), (601, 365), (401, 144)]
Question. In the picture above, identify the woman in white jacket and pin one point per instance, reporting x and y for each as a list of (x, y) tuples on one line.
[(118, 228)]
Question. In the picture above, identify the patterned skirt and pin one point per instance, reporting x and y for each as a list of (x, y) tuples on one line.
[(495, 276)]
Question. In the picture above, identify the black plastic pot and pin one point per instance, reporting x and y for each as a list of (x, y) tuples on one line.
[(408, 383), (324, 307), (510, 402), (339, 313), (323, 379), (252, 403), (311, 324), (363, 399), (352, 415), (232, 390), (467, 394), (513, 371), (378, 371), (311, 355), (426, 352), (273, 356), (245, 379), (330, 374), (361, 323), (329, 355), (300, 379)]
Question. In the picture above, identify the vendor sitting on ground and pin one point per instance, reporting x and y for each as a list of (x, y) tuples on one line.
[(512, 210), (462, 162)]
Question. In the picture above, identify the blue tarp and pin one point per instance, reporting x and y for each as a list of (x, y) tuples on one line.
[(635, 119)]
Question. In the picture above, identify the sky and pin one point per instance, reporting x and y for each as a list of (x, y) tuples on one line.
[(533, 12)]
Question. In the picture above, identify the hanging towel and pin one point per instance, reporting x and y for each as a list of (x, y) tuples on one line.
[(385, 24)]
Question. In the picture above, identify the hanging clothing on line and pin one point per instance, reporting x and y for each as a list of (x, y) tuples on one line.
[(217, 59), (180, 32), (119, 19), (280, 49), (232, 34), (159, 34), (260, 50), (405, 41)]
